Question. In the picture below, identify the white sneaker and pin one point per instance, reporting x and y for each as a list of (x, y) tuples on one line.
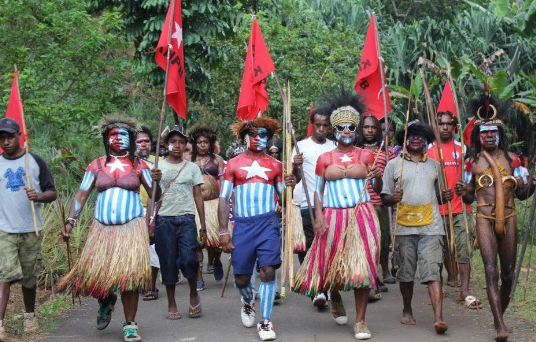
[(30, 322), (320, 301), (266, 331), (247, 313)]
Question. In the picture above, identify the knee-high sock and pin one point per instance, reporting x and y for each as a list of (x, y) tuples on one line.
[(246, 292), (267, 295)]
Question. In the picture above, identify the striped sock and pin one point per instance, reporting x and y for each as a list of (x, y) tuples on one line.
[(267, 294), (246, 292)]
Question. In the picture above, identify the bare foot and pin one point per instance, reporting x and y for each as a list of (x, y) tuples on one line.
[(407, 318), (441, 327), (502, 336)]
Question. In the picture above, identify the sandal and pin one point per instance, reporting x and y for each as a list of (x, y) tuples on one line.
[(191, 311), (151, 295), (104, 315), (471, 302), (374, 296), (173, 316), (130, 332)]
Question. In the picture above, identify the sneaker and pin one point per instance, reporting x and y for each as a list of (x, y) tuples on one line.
[(320, 301), (130, 332), (277, 296), (361, 331), (106, 308), (2, 331), (200, 285), (266, 331), (30, 322), (247, 313)]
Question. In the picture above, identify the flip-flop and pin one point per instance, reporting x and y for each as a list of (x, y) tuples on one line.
[(173, 316), (193, 308)]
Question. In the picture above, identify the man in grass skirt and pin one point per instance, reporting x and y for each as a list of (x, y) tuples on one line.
[(115, 256), (345, 251)]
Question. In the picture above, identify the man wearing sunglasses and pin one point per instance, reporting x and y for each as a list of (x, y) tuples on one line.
[(410, 182), (310, 149), (454, 156)]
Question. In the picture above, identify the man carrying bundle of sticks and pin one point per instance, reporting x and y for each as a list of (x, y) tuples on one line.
[(411, 182)]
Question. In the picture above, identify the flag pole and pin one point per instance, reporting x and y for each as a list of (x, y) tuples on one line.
[(162, 113), (27, 149), (385, 115)]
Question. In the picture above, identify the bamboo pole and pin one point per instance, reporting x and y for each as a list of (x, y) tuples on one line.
[(289, 216), (26, 156), (286, 245)]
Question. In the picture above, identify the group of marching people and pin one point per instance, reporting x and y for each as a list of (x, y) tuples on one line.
[(358, 198)]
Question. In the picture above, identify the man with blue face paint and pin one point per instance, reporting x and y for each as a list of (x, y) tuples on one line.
[(495, 183), (256, 179)]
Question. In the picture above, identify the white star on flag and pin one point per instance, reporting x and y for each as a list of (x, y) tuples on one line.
[(117, 165), (256, 170), (178, 34), (345, 158)]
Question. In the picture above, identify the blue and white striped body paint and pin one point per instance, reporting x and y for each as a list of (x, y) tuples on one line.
[(118, 206), (345, 193)]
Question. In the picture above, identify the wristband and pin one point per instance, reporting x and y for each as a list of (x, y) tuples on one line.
[(70, 221)]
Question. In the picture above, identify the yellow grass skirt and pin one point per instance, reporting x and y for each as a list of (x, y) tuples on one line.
[(211, 221), (297, 230), (114, 258), (346, 256)]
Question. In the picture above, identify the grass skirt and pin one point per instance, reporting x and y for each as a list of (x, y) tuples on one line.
[(114, 258), (297, 230), (211, 221), (346, 256)]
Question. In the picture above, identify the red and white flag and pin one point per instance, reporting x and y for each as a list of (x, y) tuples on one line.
[(253, 99), (369, 77), (14, 109), (447, 100), (176, 88)]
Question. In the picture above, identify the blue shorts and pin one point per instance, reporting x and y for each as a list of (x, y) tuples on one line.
[(256, 238), (176, 243)]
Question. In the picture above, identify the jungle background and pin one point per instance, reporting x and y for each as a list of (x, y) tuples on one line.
[(80, 60)]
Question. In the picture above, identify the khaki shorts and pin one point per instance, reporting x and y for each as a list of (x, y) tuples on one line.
[(463, 255), (20, 258), (383, 218), (426, 251)]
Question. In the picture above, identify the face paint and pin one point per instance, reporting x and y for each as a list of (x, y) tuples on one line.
[(170, 147), (256, 139), (347, 140), (337, 136), (118, 139)]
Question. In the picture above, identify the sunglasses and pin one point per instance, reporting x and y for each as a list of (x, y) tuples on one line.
[(341, 128)]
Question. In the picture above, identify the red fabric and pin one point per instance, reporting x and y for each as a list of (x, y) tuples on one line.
[(516, 162), (368, 81), (447, 100), (453, 167), (253, 99), (468, 131), (176, 88), (14, 109), (310, 125)]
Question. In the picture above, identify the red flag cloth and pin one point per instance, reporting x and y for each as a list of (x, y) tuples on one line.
[(253, 99), (14, 108), (447, 100), (468, 131), (369, 77), (310, 125), (176, 88)]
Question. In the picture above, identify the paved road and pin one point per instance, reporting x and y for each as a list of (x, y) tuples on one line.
[(294, 320)]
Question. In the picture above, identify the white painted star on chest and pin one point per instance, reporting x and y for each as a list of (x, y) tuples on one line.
[(117, 165), (256, 170), (345, 158)]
